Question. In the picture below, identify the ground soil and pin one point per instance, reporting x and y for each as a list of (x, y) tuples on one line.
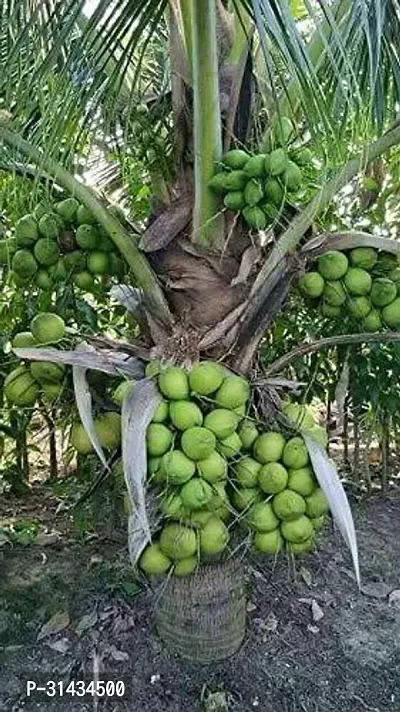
[(314, 642)]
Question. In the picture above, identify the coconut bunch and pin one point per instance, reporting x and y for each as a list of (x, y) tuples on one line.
[(219, 476), (259, 185), (25, 383), (57, 243), (361, 283)]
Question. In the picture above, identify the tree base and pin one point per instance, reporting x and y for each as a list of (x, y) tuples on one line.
[(203, 617)]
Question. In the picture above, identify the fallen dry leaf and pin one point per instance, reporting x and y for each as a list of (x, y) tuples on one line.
[(376, 589), (394, 598), (86, 622), (118, 655), (316, 610), (55, 625), (60, 646), (306, 576)]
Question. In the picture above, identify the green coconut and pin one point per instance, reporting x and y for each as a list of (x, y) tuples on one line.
[(274, 192), (255, 217), (302, 481), (357, 281), (206, 377), (108, 429), (244, 498), (52, 392), (262, 518), (25, 339), (292, 176), (79, 439), (222, 422), (198, 443), (234, 200), (303, 157), (84, 216), (268, 542), (317, 504), (359, 307), (248, 433), (269, 447), (220, 496), (199, 517), (75, 261), (26, 231), (185, 414), (43, 280), (233, 392), (24, 264), (230, 446), (272, 478), (213, 468), (391, 314), (121, 391), (300, 415), (372, 321), (253, 193), (177, 541), (67, 209), (196, 493), (47, 372), (246, 472), (46, 252), (295, 453), (159, 439), (214, 537), (47, 327), (7, 249), (235, 159), (255, 166), (297, 530), (318, 522), (217, 183), (185, 567), (277, 162), (330, 311), (333, 265), (301, 547), (334, 293), (162, 412), (383, 292), (20, 388), (87, 237), (174, 383), (49, 226), (84, 280), (153, 368), (153, 561), (364, 257), (177, 467), (386, 262), (312, 284), (153, 463), (235, 181), (172, 507), (98, 262), (288, 505)]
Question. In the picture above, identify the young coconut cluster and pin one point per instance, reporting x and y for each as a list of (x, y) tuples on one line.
[(213, 467), (361, 283), (259, 185), (57, 243), (24, 384)]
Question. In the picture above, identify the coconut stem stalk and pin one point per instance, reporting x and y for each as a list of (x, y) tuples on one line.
[(207, 222)]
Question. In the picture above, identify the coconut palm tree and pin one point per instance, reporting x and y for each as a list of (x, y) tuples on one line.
[(220, 74)]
